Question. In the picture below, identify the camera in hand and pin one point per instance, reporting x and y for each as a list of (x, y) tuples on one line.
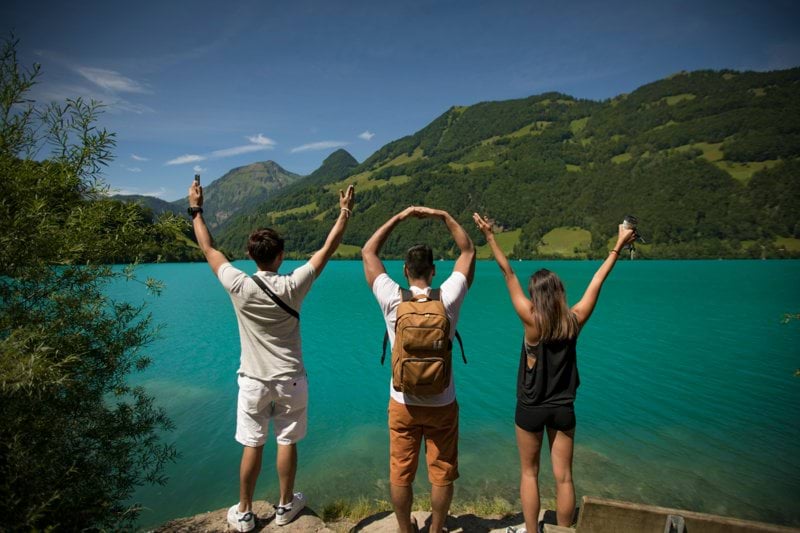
[(631, 222)]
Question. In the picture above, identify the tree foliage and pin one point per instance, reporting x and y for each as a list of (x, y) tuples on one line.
[(75, 437)]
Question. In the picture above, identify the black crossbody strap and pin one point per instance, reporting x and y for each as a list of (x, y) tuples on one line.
[(274, 297)]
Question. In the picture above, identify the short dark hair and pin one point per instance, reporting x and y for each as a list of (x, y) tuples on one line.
[(419, 261), (264, 245)]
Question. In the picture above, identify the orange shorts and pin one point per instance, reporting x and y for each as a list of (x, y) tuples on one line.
[(408, 424)]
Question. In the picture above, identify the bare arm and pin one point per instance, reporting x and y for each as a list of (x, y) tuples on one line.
[(466, 260), (521, 303), (584, 308), (323, 255), (373, 266), (214, 257)]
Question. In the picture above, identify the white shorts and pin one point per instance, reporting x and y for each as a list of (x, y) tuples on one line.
[(283, 402)]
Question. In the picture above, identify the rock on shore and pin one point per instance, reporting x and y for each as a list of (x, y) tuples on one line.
[(309, 522)]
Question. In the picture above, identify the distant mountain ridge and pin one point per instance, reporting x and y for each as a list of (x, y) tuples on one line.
[(708, 160), (156, 205)]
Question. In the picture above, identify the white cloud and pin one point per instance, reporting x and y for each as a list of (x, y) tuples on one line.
[(188, 158), (257, 143), (133, 169), (367, 135), (139, 158), (111, 80), (322, 145), (261, 140), (236, 150), (198, 168)]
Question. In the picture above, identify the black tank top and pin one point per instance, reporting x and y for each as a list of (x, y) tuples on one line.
[(553, 380)]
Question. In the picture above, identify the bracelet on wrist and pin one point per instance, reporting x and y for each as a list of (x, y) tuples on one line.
[(348, 213), (614, 252)]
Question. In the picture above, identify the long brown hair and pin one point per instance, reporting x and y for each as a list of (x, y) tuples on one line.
[(550, 310)]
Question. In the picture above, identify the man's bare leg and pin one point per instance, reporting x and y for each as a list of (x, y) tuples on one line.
[(248, 475), (402, 498), (440, 506), (286, 463)]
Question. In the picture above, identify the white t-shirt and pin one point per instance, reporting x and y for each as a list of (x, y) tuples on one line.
[(270, 337), (453, 291)]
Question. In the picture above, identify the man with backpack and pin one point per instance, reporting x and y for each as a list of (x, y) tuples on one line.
[(421, 323), (272, 377)]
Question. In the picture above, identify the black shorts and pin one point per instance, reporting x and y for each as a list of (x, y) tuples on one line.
[(535, 419)]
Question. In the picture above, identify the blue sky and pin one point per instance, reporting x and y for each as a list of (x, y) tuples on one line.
[(214, 85)]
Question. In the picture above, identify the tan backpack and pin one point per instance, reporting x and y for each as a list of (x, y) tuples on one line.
[(422, 352)]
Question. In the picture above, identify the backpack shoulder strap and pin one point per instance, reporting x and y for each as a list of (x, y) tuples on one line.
[(385, 344), (435, 294), (460, 343), (274, 297), (405, 296)]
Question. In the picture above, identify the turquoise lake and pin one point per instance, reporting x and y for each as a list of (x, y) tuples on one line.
[(688, 395)]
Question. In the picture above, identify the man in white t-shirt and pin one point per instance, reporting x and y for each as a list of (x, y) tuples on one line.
[(412, 418), (272, 378)]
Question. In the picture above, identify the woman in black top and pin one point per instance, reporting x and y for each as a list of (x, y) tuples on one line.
[(548, 374)]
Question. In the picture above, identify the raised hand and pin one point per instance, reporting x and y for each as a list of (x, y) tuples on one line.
[(195, 195), (483, 224), (347, 199), (626, 236)]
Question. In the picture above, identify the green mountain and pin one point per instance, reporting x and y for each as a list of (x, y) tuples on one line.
[(336, 166), (241, 189), (156, 206), (709, 161)]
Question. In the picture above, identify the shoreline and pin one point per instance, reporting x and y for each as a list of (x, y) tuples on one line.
[(312, 521)]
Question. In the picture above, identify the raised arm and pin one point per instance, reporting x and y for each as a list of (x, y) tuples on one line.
[(583, 309), (214, 257), (373, 266), (520, 301), (321, 256), (466, 260)]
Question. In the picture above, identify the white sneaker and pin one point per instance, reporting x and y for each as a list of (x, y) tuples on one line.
[(245, 521), (285, 513)]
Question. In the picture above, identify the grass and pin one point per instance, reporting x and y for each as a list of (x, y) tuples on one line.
[(744, 171), (568, 242), (471, 166), (363, 182), (790, 244), (665, 125), (506, 240), (677, 98), (348, 251), (621, 158), (711, 151), (573, 168), (308, 208), (759, 91), (577, 125), (535, 128), (353, 511), (402, 159)]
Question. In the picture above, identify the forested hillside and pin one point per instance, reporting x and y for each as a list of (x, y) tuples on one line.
[(707, 160)]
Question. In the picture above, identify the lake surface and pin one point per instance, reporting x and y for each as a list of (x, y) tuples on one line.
[(688, 395)]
